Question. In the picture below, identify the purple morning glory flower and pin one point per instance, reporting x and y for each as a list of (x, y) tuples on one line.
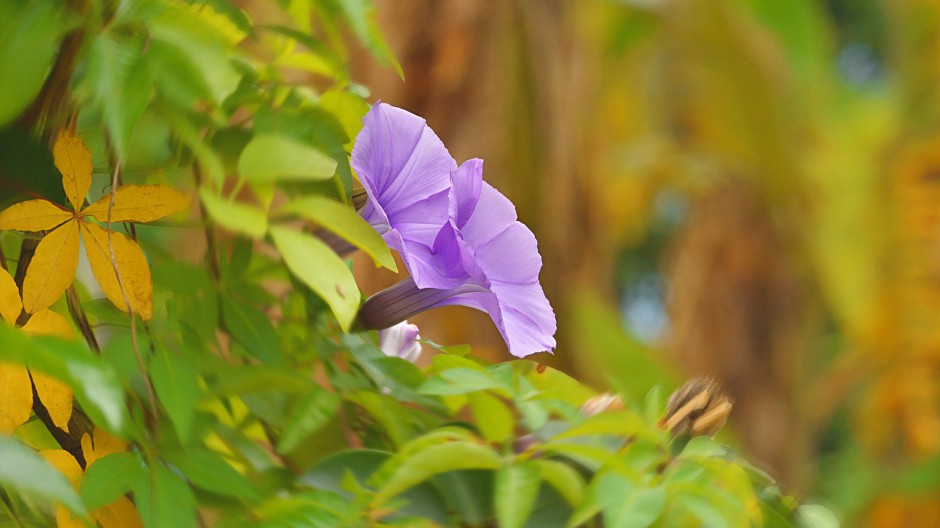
[(405, 170), (401, 340), (478, 255)]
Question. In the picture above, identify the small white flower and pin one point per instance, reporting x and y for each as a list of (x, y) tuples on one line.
[(401, 341)]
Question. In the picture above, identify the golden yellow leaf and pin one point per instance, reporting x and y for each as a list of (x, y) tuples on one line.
[(100, 444), (56, 397), (119, 514), (73, 160), (10, 305), (139, 203), (65, 463), (16, 397), (131, 262), (52, 268), (47, 322), (33, 215)]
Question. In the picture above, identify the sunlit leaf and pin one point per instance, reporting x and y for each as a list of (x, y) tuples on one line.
[(52, 269), (139, 203), (517, 487), (16, 396), (315, 264), (346, 223), (26, 473), (637, 509), (47, 322), (236, 217), (73, 159), (65, 463), (494, 419), (56, 397), (101, 444), (33, 215), (131, 262), (10, 304), (270, 158), (119, 514)]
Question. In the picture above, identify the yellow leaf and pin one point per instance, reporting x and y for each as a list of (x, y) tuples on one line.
[(73, 160), (139, 203), (131, 262), (64, 519), (33, 215), (10, 305), (100, 444), (63, 461), (56, 397), (52, 268), (16, 397), (119, 514), (47, 322)]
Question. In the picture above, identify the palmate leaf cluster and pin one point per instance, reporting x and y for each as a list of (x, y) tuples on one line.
[(240, 397)]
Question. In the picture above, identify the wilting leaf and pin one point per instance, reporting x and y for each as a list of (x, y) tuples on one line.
[(73, 159), (346, 223), (315, 264), (16, 396), (269, 158), (26, 473), (237, 217), (517, 487), (52, 268), (10, 304), (132, 264), (33, 215), (139, 203)]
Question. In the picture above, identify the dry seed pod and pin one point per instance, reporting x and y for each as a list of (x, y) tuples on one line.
[(600, 403), (698, 408)]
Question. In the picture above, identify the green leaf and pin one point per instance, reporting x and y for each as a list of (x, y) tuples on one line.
[(639, 509), (564, 478), (434, 460), (244, 380), (29, 38), (94, 382), (312, 412), (654, 404), (177, 385), (361, 17), (517, 487), (458, 381), (315, 264), (345, 222), (347, 107), (26, 473), (234, 216), (211, 472), (121, 83), (468, 492), (493, 418), (110, 477), (253, 330), (164, 500), (815, 516), (268, 158)]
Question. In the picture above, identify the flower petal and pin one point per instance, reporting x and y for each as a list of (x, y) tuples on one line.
[(466, 185)]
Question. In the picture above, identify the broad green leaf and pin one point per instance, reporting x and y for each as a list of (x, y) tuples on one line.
[(122, 84), (493, 418), (27, 474), (252, 329), (638, 509), (95, 383), (345, 222), (312, 412), (211, 472), (268, 158), (237, 217), (109, 477), (468, 492), (434, 460), (177, 385), (564, 478), (315, 264), (458, 381), (517, 487), (815, 516), (347, 107), (164, 499), (29, 38)]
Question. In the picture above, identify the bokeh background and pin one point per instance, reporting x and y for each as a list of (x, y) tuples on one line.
[(748, 189)]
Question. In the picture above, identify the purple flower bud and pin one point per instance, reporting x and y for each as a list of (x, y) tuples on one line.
[(458, 236), (401, 341)]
